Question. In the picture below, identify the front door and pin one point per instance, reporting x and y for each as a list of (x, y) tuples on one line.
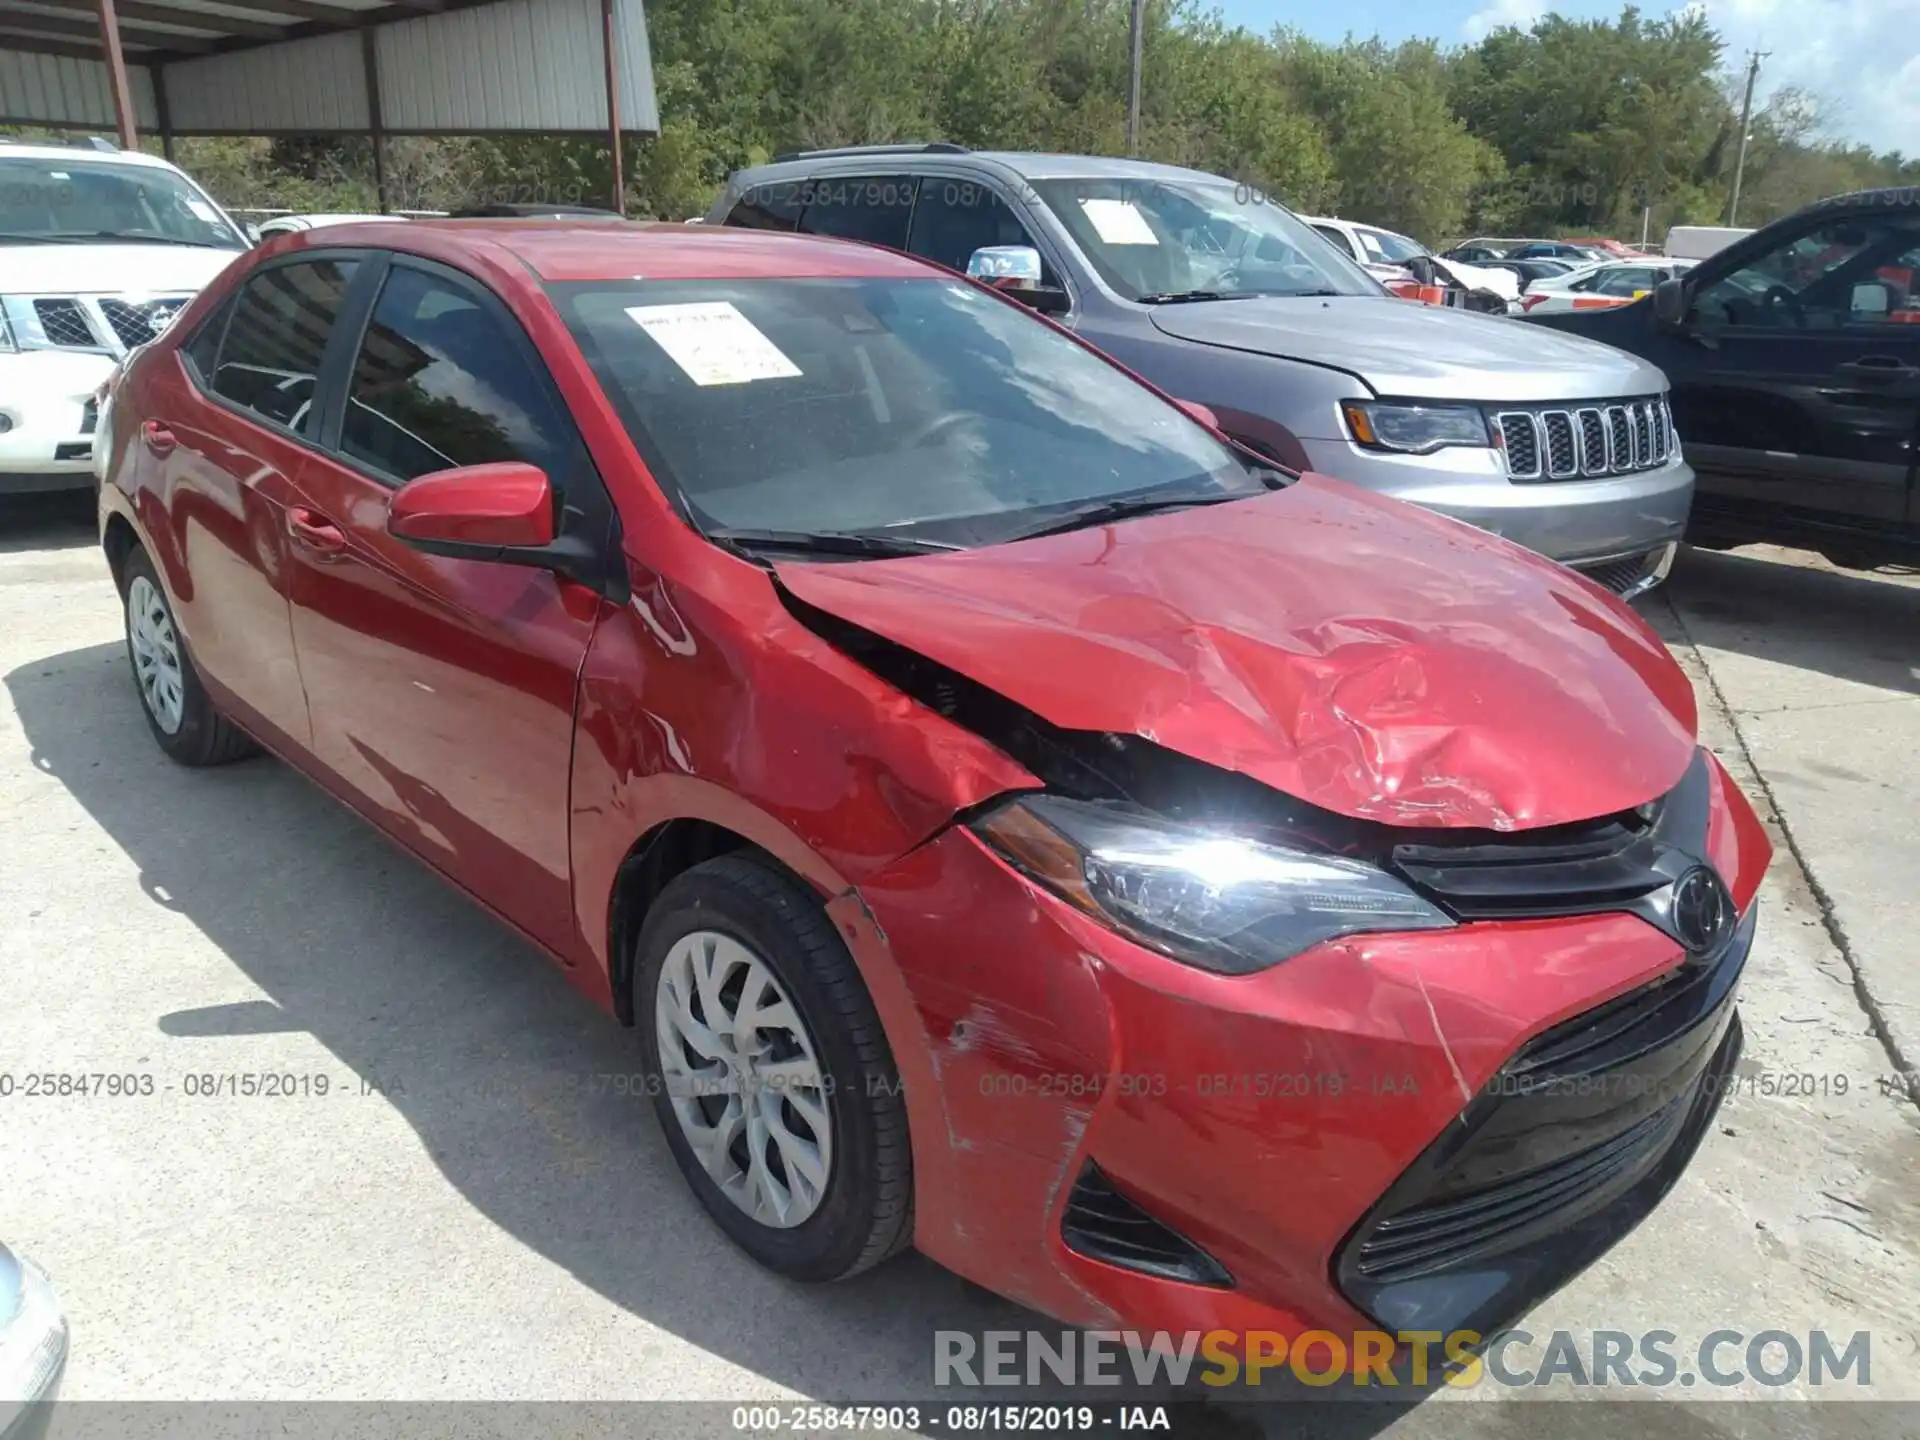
[(1801, 388), (442, 690)]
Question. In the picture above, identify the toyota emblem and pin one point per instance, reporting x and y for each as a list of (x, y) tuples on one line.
[(1702, 910)]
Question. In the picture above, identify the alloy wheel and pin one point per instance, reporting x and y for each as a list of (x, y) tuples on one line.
[(743, 1078), (156, 654)]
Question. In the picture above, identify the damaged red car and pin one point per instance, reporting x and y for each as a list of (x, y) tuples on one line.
[(1167, 890)]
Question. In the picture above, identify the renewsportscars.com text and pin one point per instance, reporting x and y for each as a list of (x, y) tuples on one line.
[(1462, 1358)]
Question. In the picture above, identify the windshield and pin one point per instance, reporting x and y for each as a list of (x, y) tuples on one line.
[(918, 409), (1153, 238), (1387, 246), (55, 201)]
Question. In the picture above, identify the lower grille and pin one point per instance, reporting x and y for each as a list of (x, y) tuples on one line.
[(65, 324), (1563, 1152), (1429, 1238), (1102, 1224), (1619, 576)]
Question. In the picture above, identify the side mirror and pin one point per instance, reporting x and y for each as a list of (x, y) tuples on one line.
[(1670, 302), (1015, 271), (475, 512), (1200, 412)]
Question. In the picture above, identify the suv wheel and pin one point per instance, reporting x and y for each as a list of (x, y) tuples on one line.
[(770, 1073)]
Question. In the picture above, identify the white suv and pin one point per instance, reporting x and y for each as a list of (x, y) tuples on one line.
[(98, 248)]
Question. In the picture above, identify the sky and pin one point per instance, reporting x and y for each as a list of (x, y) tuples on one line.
[(1861, 57)]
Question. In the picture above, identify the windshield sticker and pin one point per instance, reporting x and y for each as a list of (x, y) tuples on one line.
[(713, 343), (203, 211), (1119, 222)]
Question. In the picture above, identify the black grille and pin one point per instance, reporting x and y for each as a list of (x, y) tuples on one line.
[(1620, 439), (65, 324), (1567, 1148), (1563, 460), (1428, 1238), (135, 324), (1628, 862), (1103, 1224), (1619, 576), (1523, 444), (1585, 441), (1593, 441)]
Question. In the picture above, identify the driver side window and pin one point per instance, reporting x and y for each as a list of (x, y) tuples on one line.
[(1841, 274)]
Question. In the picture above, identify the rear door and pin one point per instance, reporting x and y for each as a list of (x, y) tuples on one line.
[(875, 208), (442, 690), (1801, 385), (227, 435)]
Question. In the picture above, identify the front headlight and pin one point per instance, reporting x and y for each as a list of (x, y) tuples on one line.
[(1210, 898), (1414, 429)]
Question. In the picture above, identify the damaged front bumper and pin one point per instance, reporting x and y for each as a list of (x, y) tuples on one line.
[(1121, 1140)]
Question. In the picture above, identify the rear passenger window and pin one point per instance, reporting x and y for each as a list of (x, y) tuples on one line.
[(278, 330), (203, 351), (773, 206), (873, 208), (441, 382)]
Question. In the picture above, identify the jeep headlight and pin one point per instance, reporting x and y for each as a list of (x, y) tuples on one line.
[(1415, 429), (1214, 899)]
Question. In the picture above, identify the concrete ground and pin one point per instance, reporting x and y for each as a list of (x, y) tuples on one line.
[(496, 1223)]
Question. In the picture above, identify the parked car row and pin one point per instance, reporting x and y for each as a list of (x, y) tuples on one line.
[(1020, 821), (1598, 286)]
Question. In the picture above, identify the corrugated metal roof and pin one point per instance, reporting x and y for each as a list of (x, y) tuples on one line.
[(252, 67), (63, 90), (318, 84)]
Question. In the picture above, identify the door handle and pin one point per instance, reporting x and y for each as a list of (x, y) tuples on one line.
[(1879, 367), (157, 437), (315, 531)]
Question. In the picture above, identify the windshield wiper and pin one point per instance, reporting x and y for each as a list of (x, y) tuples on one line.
[(828, 543), (1189, 297), (1102, 512)]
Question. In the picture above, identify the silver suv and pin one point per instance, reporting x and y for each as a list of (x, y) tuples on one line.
[(1222, 297)]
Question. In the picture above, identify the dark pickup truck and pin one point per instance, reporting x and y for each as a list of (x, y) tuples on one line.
[(1794, 357)]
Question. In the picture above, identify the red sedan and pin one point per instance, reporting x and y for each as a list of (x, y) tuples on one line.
[(1169, 891)]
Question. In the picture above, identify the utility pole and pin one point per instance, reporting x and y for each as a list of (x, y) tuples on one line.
[(1754, 57), (1135, 35)]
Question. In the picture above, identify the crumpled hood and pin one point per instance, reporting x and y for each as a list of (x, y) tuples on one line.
[(1357, 653), (109, 269), (1428, 352)]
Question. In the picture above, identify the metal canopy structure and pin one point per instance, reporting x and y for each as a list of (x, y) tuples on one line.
[(344, 67)]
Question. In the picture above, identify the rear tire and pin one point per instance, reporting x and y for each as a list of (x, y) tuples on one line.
[(181, 717), (737, 939)]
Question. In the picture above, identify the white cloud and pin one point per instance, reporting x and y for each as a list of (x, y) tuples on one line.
[(1860, 57), (1485, 21)]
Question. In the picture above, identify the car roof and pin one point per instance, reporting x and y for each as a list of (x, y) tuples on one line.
[(83, 154), (560, 250), (1027, 164)]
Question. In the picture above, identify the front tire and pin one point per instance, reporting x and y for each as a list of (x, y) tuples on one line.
[(181, 717), (770, 1073)]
